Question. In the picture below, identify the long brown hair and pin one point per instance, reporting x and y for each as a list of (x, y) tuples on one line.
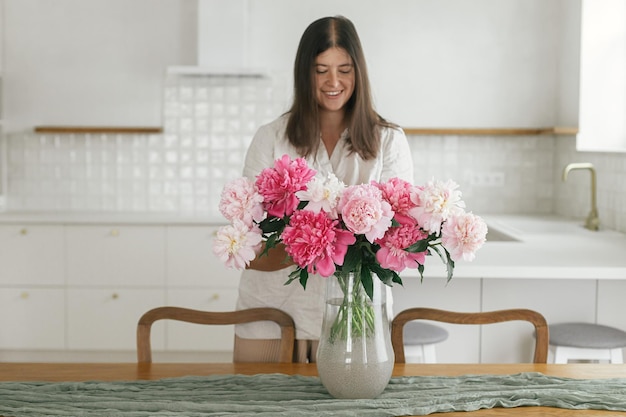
[(364, 123)]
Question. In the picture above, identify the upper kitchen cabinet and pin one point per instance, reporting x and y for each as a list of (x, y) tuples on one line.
[(479, 64), (3, 147)]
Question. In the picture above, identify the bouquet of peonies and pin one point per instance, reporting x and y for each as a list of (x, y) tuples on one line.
[(329, 228)]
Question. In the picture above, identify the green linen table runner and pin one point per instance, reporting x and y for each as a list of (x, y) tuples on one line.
[(300, 396)]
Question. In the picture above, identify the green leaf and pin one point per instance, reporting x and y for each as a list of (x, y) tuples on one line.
[(420, 268), (446, 259), (385, 275), (295, 274), (272, 225), (396, 278), (418, 247), (367, 282), (304, 277), (352, 259)]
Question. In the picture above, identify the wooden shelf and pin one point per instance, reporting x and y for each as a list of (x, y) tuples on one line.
[(566, 131), (97, 129)]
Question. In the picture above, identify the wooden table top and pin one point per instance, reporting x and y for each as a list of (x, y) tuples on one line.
[(133, 371)]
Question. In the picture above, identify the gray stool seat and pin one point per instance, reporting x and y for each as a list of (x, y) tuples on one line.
[(587, 342), (586, 335), (420, 333), (420, 339)]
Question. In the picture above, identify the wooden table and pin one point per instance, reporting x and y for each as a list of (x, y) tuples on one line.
[(133, 371)]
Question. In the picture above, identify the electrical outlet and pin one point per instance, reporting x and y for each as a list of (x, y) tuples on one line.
[(487, 179)]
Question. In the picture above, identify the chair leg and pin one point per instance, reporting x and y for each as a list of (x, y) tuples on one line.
[(414, 353), (429, 354), (616, 356), (560, 355)]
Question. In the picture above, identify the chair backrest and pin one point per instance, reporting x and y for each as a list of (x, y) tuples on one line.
[(489, 317), (284, 320)]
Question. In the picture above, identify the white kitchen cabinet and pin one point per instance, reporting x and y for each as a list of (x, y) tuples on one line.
[(31, 255), (611, 306), (191, 261), (557, 299), (124, 256), (32, 318), (106, 319), (189, 336)]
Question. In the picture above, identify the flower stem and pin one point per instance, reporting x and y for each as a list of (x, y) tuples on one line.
[(355, 315)]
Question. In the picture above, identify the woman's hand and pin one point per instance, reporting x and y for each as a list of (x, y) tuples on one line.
[(275, 259)]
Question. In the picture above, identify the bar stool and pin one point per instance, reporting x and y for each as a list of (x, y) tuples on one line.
[(586, 341), (420, 339)]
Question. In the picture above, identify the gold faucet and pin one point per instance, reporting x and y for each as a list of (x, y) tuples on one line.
[(593, 221)]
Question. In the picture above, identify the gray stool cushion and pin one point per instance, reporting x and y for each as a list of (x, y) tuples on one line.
[(586, 335), (420, 333)]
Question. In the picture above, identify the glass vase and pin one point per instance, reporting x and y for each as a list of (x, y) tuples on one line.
[(355, 358)]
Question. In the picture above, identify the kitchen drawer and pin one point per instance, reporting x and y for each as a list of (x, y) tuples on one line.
[(190, 336), (31, 255), (115, 256), (106, 319), (32, 318), (191, 261)]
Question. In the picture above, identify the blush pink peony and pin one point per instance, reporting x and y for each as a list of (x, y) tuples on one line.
[(435, 203), (240, 201), (236, 244), (365, 212), (463, 235)]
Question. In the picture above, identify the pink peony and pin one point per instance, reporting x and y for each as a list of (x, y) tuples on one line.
[(315, 242), (364, 211), (240, 201), (392, 255), (278, 185), (397, 192), (436, 202), (237, 244), (463, 235)]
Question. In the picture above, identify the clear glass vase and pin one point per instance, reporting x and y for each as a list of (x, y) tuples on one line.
[(355, 358)]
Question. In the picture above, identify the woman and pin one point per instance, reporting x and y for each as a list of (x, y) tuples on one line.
[(333, 125)]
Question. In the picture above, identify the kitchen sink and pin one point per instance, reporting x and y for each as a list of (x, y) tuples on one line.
[(496, 235)]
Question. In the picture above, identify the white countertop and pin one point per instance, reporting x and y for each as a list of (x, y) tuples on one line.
[(117, 218), (543, 247)]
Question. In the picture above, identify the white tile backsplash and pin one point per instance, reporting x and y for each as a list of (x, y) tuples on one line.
[(208, 124)]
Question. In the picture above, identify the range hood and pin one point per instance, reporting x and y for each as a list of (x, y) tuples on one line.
[(222, 40)]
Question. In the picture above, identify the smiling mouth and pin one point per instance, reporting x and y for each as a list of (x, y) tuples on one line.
[(332, 93)]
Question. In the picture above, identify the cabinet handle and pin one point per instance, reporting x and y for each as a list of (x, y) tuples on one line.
[(214, 297), (24, 295), (24, 232), (115, 296), (114, 232)]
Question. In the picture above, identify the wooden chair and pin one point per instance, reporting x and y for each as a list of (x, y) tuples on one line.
[(537, 320), (284, 320)]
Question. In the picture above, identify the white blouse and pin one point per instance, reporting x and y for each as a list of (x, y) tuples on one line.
[(267, 289)]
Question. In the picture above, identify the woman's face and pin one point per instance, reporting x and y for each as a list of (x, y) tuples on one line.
[(334, 79)]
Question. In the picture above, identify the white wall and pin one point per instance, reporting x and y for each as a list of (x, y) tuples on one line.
[(92, 62), (436, 63), (433, 63)]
